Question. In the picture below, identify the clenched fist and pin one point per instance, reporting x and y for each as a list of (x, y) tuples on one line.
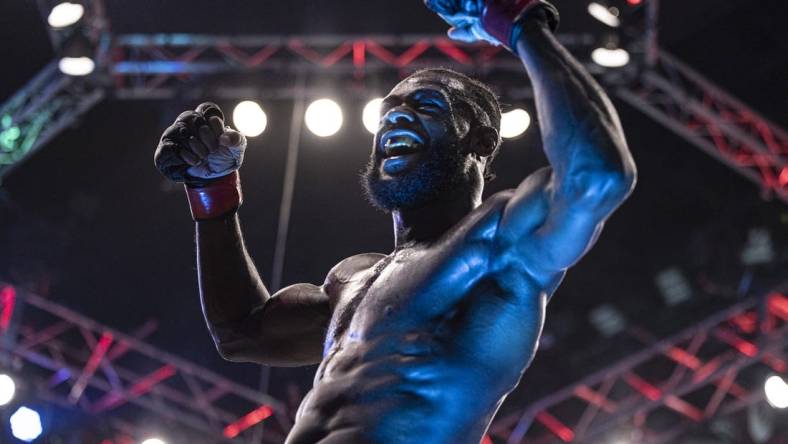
[(494, 21), (199, 147)]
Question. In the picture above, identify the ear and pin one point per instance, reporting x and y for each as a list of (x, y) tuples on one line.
[(483, 140)]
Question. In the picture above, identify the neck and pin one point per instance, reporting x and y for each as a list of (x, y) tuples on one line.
[(429, 222)]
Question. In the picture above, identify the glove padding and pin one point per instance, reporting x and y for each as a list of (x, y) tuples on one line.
[(199, 148), (495, 21)]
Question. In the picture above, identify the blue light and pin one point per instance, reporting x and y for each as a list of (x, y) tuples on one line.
[(167, 67), (26, 424)]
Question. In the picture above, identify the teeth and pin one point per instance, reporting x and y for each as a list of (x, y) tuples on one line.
[(400, 141)]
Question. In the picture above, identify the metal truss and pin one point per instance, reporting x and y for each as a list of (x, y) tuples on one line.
[(688, 378), (83, 364), (48, 104), (168, 66), (700, 112), (660, 393), (165, 65), (51, 101)]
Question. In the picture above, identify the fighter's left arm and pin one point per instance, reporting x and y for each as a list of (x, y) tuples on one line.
[(591, 169), (556, 214)]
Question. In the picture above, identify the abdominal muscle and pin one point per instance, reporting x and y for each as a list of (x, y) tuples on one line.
[(395, 389)]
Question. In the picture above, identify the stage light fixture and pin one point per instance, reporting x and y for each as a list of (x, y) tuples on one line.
[(608, 320), (514, 123), (759, 249), (673, 285), (776, 390), (610, 57), (371, 115), (76, 66), (26, 424), (604, 14), (7, 389), (77, 56), (154, 441), (323, 117), (249, 118), (65, 14)]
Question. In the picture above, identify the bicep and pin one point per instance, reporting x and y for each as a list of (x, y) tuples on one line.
[(287, 330), (552, 225)]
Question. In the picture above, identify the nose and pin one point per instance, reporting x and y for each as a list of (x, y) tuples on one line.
[(398, 115)]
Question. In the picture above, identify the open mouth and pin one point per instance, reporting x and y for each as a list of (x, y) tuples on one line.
[(400, 142)]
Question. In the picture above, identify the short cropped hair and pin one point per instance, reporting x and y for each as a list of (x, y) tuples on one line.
[(481, 100)]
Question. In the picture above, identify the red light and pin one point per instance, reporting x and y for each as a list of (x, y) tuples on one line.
[(554, 425), (634, 2), (7, 299), (777, 303), (231, 431), (784, 177), (644, 387), (255, 416), (744, 347)]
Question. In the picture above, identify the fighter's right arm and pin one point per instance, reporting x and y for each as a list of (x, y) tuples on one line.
[(246, 322)]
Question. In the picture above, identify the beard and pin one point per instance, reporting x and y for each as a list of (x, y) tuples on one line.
[(442, 171)]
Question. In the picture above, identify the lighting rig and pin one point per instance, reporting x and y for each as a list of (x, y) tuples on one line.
[(87, 369), (184, 65), (716, 367)]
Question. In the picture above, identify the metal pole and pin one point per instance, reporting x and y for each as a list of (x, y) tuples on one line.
[(652, 33), (291, 167), (285, 208)]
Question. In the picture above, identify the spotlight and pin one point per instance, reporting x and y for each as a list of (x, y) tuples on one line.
[(776, 392), (759, 248), (673, 286), (26, 424), (607, 319), (77, 56), (65, 14), (153, 441), (514, 123), (371, 115), (76, 66), (7, 389), (249, 118), (604, 14), (323, 117), (610, 57)]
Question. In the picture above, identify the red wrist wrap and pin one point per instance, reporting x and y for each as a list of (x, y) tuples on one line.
[(216, 199), (500, 17)]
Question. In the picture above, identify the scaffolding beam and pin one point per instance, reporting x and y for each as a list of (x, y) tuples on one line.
[(42, 109), (99, 369), (709, 118), (700, 377)]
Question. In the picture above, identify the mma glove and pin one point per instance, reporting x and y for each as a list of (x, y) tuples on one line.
[(199, 151), (499, 22)]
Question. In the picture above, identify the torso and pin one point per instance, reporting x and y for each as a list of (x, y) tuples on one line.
[(425, 343)]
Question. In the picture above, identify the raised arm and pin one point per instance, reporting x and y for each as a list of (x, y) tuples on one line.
[(245, 321), (591, 169), (556, 214)]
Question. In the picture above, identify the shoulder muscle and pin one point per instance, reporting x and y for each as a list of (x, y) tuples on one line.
[(344, 271)]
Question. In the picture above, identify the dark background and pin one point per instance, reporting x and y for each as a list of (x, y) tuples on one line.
[(90, 223)]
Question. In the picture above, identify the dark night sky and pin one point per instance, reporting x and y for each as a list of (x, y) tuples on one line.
[(91, 213)]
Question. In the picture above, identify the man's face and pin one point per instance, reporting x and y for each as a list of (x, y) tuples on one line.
[(419, 149)]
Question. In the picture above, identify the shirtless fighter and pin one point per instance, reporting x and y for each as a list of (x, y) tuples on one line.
[(423, 344)]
